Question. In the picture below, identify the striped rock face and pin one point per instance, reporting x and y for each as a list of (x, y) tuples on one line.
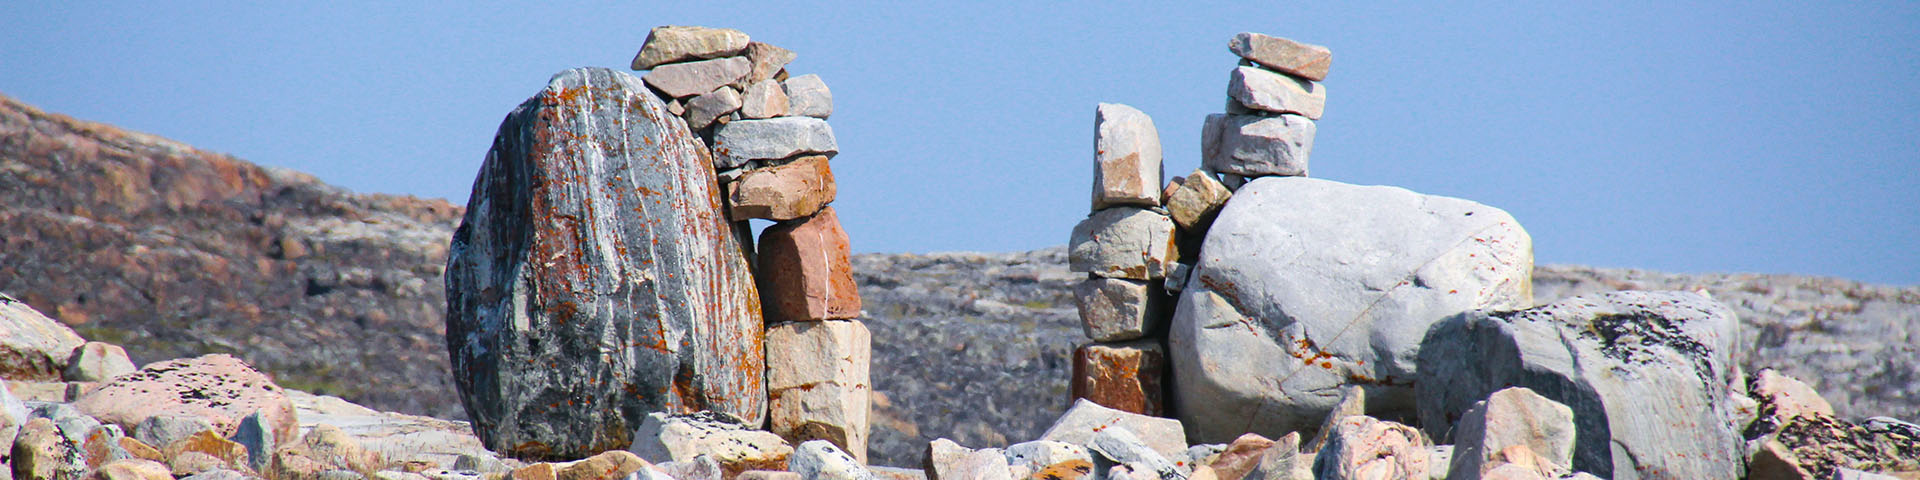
[(595, 278)]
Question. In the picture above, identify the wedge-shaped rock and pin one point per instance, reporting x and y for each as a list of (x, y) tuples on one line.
[(1283, 55), (1116, 309), (666, 438), (704, 109), (32, 346), (682, 80), (806, 270), (595, 278), (1123, 376), (1257, 146), (1365, 447), (808, 96), (1085, 419), (741, 141), (783, 192), (1305, 285), (1267, 91), (1120, 446), (674, 43), (1123, 242), (767, 59), (763, 99), (1510, 417), (98, 362), (1126, 157), (1645, 374), (1195, 200), (819, 384), (218, 388)]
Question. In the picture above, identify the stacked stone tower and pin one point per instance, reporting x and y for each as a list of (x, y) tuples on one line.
[(771, 144), (1139, 244)]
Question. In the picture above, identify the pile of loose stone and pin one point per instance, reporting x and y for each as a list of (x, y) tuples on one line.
[(771, 145)]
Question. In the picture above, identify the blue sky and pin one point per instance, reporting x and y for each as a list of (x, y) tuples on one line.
[(1727, 136)]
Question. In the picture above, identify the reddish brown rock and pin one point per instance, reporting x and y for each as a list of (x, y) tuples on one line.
[(219, 388), (231, 455), (1241, 457), (784, 192), (595, 277), (1123, 376), (805, 272), (1283, 55)]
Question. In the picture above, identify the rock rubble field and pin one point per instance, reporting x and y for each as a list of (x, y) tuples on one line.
[(610, 313)]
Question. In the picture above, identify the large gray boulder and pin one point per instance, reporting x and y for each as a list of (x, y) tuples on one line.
[(32, 346), (1305, 285), (595, 278), (1645, 373)]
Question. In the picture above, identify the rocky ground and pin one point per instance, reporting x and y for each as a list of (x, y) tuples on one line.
[(175, 252)]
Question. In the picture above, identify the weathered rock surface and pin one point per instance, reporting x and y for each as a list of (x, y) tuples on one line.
[(674, 43), (1120, 446), (783, 192), (1257, 146), (32, 346), (1365, 447), (1645, 374), (808, 96), (1123, 242), (704, 109), (1125, 376), (218, 388), (579, 298), (768, 60), (1267, 91), (738, 142), (1086, 420), (1196, 200), (764, 99), (818, 382), (820, 460), (1043, 458), (682, 80), (805, 272), (96, 362), (1353, 401), (1305, 285), (1283, 55), (1512, 417), (1126, 157), (1117, 309), (665, 438)]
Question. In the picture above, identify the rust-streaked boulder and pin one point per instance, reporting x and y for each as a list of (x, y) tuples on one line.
[(1126, 376), (595, 278), (1283, 55), (32, 346), (784, 192), (676, 43), (806, 271), (818, 382), (218, 388)]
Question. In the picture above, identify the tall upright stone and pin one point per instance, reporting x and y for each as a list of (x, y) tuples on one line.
[(1126, 157), (595, 277)]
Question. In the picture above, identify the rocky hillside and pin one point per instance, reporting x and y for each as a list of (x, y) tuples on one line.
[(174, 252)]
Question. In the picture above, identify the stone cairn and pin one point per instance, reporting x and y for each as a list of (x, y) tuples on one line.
[(771, 144), (1140, 243)]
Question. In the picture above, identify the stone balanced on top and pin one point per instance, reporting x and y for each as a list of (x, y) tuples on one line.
[(771, 146)]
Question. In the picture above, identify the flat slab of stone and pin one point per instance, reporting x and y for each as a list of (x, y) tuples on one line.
[(1123, 376), (806, 270), (682, 80), (819, 383), (1126, 157), (1123, 242), (595, 277), (1266, 91), (1306, 285), (1086, 419), (783, 192), (674, 43), (1257, 145), (738, 142), (1645, 373), (1283, 55)]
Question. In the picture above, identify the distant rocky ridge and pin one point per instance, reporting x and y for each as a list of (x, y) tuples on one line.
[(173, 252)]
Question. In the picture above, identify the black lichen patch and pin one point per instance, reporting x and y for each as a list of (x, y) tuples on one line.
[(1629, 338)]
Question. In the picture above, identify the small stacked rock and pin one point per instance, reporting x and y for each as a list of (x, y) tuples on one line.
[(771, 148), (1126, 247), (1275, 96)]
